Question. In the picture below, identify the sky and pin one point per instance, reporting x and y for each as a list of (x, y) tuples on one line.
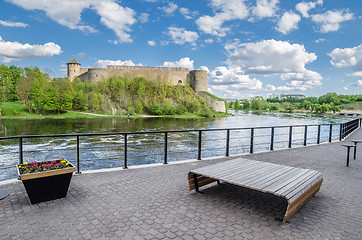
[(249, 47)]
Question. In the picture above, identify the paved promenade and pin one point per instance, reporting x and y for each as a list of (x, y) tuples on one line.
[(154, 203)]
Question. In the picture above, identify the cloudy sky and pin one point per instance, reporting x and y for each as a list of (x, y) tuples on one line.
[(248, 47)]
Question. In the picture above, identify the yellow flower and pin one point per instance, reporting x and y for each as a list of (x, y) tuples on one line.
[(63, 161), (26, 163), (67, 163), (19, 166)]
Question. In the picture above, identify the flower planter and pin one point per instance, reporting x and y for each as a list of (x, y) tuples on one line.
[(47, 185)]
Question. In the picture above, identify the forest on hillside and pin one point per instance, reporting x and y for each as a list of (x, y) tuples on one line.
[(41, 94)]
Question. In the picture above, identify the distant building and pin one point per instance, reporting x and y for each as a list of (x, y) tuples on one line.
[(271, 96), (295, 96)]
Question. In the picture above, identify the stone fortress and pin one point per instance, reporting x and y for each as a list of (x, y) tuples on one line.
[(176, 76)]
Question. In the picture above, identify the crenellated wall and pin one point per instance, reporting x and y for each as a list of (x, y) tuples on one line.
[(175, 76)]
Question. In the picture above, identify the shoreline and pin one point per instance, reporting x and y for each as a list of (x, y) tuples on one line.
[(85, 115)]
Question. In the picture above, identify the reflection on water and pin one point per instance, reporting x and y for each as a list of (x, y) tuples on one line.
[(108, 151)]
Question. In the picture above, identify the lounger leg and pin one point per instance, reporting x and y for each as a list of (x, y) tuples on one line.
[(294, 207), (196, 183), (218, 182)]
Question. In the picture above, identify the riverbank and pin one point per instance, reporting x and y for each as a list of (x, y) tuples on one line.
[(86, 115)]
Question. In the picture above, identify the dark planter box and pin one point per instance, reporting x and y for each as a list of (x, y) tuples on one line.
[(47, 186)]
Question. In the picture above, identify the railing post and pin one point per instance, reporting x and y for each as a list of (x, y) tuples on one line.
[(125, 151), (78, 164), (272, 139), (199, 146), (251, 140), (319, 134), (20, 150), (340, 132), (290, 136), (165, 159), (330, 132), (305, 135), (227, 142)]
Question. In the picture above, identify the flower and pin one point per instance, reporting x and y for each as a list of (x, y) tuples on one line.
[(34, 167)]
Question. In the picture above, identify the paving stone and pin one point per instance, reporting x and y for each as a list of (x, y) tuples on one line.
[(154, 203)]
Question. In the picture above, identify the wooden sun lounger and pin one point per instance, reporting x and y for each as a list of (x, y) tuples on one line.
[(296, 185)]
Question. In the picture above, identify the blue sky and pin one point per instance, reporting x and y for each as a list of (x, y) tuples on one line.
[(249, 48)]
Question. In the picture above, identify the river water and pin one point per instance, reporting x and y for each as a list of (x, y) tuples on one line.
[(108, 151)]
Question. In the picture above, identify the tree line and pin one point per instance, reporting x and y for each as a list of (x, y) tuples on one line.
[(115, 95), (330, 102)]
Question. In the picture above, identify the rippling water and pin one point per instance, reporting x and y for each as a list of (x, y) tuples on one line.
[(108, 151)]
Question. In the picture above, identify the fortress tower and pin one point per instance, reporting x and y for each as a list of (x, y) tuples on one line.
[(73, 69), (198, 80)]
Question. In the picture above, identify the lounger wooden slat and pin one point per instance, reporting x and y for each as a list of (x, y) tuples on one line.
[(295, 185)]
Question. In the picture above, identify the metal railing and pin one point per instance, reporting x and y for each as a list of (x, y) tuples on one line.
[(116, 149)]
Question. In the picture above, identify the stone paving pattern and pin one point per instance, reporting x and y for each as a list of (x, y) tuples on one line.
[(154, 203)]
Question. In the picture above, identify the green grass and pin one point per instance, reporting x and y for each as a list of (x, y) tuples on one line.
[(13, 109), (351, 106)]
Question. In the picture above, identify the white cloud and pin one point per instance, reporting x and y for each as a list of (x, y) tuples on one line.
[(285, 89), (170, 8), (12, 51), (349, 58), (187, 13), (209, 40), (233, 76), (151, 43), (269, 57), (144, 17), (304, 7), (270, 88), (205, 69), (116, 18), (104, 63), (226, 10), (319, 40), (182, 63), (80, 55), (68, 13), (181, 36), (355, 74), (265, 8), (330, 21), (12, 24), (358, 83), (288, 22)]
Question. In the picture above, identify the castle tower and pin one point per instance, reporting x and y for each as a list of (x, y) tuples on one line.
[(73, 69), (198, 80)]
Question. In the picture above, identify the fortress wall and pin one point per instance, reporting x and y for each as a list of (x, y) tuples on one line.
[(83, 70), (198, 80), (173, 75), (216, 105)]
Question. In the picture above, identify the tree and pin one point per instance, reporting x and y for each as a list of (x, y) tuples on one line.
[(5, 80), (236, 104), (258, 103), (246, 104)]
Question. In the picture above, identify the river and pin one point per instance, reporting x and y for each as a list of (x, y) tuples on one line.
[(104, 152)]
